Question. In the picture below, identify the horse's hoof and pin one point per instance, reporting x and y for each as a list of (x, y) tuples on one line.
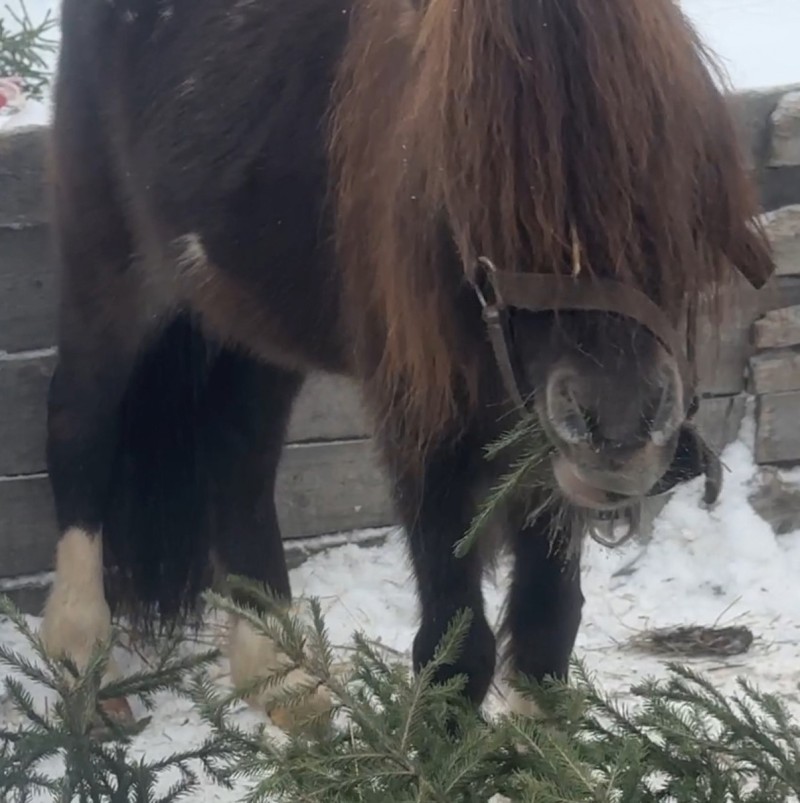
[(523, 706), (254, 657), (314, 711), (118, 710)]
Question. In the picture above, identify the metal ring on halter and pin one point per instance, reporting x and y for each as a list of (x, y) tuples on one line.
[(634, 518), (480, 286)]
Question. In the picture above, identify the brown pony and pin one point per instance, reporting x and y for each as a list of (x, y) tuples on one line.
[(246, 191)]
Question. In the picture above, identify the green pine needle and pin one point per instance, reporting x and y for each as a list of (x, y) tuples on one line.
[(24, 46), (401, 737)]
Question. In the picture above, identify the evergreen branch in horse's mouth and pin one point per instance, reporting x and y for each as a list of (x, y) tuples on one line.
[(528, 476)]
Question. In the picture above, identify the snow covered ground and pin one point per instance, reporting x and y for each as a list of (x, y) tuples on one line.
[(718, 567), (723, 566)]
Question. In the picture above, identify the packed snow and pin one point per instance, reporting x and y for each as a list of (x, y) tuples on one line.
[(715, 567), (711, 567)]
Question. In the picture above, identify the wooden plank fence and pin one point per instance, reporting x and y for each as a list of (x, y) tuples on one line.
[(330, 480)]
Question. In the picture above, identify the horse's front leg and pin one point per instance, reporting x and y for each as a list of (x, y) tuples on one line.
[(436, 503), (545, 602)]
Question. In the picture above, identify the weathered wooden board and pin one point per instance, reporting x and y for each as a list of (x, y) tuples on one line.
[(28, 304), (29, 597), (778, 428), (783, 229), (23, 395), (719, 419), (775, 371), (329, 408), (332, 487), (22, 177), (28, 291), (778, 329), (785, 151), (27, 526), (321, 488), (751, 112), (22, 159), (723, 349), (778, 188)]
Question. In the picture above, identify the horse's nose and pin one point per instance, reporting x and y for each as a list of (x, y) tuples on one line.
[(653, 409), (572, 422)]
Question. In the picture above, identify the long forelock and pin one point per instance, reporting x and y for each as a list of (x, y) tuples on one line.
[(533, 131)]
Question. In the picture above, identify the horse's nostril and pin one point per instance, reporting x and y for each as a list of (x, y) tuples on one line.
[(590, 420), (571, 421)]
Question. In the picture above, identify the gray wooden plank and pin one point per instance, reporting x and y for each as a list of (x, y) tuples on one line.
[(719, 419), (22, 161), (783, 229), (785, 133), (22, 155), (723, 349), (751, 112), (29, 598), (322, 488), (778, 328), (778, 187), (28, 289), (777, 430), (27, 526), (329, 408), (332, 487), (775, 371), (23, 426)]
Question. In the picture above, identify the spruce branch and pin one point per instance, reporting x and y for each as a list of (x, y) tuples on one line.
[(97, 767), (24, 46), (525, 475), (400, 736)]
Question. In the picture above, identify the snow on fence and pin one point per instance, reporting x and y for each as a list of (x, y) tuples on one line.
[(330, 480)]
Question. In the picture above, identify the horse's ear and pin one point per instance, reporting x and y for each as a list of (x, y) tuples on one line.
[(752, 256)]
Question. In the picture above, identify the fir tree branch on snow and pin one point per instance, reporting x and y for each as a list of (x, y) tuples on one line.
[(399, 737), (396, 736), (24, 45), (95, 749)]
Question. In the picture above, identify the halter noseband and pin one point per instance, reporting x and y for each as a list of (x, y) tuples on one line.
[(500, 291)]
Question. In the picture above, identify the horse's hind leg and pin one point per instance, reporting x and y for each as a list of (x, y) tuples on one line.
[(248, 409), (545, 602)]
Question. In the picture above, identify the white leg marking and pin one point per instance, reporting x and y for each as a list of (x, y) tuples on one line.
[(522, 706), (76, 615), (254, 656)]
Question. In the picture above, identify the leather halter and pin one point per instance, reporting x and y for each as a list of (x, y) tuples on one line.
[(499, 291)]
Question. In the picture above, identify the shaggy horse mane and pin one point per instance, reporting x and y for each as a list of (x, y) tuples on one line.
[(522, 130)]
